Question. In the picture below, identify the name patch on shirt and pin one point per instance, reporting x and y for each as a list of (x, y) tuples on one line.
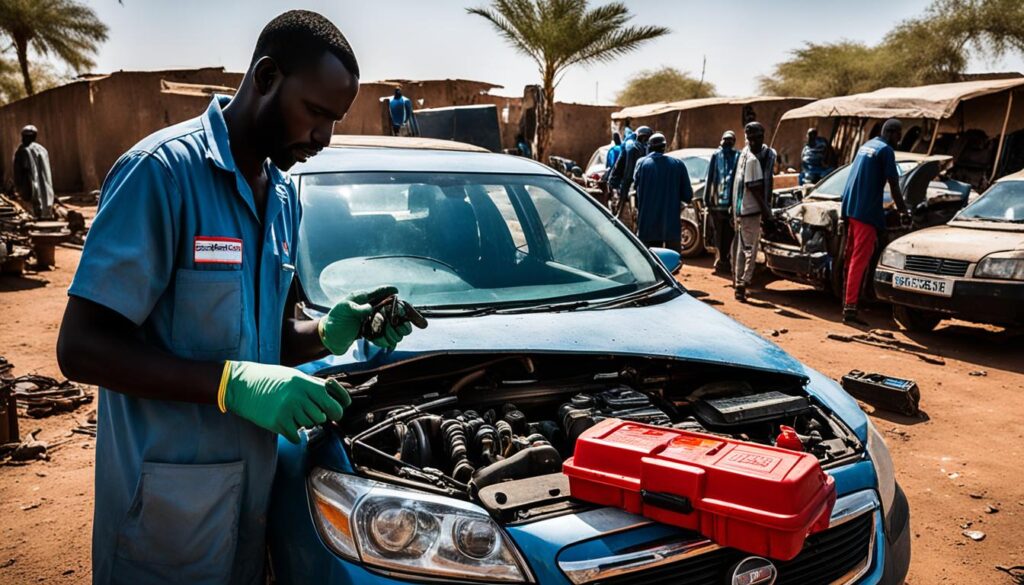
[(214, 250)]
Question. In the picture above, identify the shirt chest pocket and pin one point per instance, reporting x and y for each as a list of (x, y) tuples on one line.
[(207, 320)]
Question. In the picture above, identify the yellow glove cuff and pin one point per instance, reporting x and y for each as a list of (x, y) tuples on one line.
[(223, 388)]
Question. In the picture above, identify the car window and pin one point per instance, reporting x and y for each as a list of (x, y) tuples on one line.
[(599, 157), (696, 167), (1004, 201), (832, 186), (574, 242), (461, 240)]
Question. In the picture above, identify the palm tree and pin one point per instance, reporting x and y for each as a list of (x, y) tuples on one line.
[(66, 28), (558, 34)]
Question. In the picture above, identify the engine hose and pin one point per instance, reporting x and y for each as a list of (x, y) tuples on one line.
[(504, 437), (454, 435), (485, 442)]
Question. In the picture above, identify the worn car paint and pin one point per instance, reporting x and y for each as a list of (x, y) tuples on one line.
[(681, 328)]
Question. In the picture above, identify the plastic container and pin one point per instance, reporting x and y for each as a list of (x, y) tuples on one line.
[(758, 499)]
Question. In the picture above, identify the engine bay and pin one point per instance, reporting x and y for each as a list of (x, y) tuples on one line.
[(477, 431)]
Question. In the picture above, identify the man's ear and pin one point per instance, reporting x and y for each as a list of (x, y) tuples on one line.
[(266, 74)]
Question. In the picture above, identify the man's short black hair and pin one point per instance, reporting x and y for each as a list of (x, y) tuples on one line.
[(299, 37)]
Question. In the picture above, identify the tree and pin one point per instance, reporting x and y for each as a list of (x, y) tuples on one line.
[(66, 28), (12, 87), (934, 48), (558, 34), (663, 85)]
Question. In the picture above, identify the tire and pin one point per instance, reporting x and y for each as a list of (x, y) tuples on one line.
[(692, 245), (915, 320)]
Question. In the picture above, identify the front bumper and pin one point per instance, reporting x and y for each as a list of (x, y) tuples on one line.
[(972, 300), (790, 262)]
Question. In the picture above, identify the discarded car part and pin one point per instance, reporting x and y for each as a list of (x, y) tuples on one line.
[(29, 449), (896, 394), (759, 499), (886, 344), (45, 236), (43, 396), (8, 416)]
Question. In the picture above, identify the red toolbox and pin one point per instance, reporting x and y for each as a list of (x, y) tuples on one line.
[(758, 499)]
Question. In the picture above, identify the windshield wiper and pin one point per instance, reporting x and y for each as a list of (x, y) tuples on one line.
[(545, 308), (469, 311), (634, 297)]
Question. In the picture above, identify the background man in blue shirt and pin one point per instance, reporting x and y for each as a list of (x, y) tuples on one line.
[(814, 158), (400, 108), (873, 167), (718, 189), (181, 312), (662, 186)]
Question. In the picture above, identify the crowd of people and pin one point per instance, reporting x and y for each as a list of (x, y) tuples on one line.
[(737, 196)]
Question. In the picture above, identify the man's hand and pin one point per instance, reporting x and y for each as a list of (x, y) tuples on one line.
[(339, 329), (278, 398)]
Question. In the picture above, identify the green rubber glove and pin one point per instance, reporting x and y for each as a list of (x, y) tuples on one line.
[(280, 399), (339, 329)]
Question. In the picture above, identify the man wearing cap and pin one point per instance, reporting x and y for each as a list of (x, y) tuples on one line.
[(872, 168), (633, 149), (662, 186), (752, 204), (717, 196), (32, 174)]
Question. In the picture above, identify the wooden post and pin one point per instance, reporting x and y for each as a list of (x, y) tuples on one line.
[(1002, 139), (935, 132)]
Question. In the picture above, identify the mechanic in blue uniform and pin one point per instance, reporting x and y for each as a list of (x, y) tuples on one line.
[(633, 149), (181, 312), (862, 212), (662, 187), (400, 108), (814, 158), (614, 151), (717, 196)]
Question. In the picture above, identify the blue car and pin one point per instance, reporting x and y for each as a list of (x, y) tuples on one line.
[(545, 316)]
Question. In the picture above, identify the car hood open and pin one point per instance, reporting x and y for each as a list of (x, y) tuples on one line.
[(681, 328)]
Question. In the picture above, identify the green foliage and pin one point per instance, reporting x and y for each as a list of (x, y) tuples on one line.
[(934, 48), (66, 29), (558, 34), (12, 87), (663, 85)]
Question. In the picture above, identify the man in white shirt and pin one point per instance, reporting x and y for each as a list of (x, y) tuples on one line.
[(751, 205)]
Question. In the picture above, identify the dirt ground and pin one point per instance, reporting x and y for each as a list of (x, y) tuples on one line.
[(958, 462)]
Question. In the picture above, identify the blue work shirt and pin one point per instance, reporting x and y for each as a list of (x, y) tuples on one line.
[(401, 110), (180, 249), (812, 161), (718, 185), (613, 155), (632, 151), (662, 186), (874, 164)]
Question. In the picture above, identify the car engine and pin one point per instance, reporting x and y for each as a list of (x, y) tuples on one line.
[(478, 438)]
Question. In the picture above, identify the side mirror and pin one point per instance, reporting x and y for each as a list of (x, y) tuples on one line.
[(669, 258), (577, 172)]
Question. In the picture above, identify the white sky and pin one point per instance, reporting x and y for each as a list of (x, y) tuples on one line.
[(437, 39)]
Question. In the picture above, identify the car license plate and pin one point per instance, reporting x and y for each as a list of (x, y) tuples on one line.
[(932, 286)]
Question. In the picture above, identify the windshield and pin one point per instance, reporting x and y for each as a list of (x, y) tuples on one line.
[(833, 185), (1003, 202), (599, 157), (462, 240), (697, 168)]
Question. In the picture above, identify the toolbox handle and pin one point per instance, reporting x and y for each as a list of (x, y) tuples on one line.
[(670, 502)]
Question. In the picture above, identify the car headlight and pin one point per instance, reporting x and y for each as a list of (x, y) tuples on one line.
[(885, 471), (411, 532), (893, 259), (1002, 266)]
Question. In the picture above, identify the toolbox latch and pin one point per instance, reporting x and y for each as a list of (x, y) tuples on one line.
[(670, 502)]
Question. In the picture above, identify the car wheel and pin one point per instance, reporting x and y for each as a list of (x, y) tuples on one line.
[(915, 320), (691, 243)]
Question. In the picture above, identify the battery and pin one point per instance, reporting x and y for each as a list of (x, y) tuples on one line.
[(896, 394), (755, 498)]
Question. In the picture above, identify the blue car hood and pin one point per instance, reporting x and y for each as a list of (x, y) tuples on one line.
[(681, 328)]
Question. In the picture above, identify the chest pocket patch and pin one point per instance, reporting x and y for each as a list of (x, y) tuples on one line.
[(207, 318)]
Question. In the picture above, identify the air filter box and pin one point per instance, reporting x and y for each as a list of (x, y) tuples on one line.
[(758, 499)]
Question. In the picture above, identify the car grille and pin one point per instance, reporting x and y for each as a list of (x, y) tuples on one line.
[(940, 266), (826, 557)]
